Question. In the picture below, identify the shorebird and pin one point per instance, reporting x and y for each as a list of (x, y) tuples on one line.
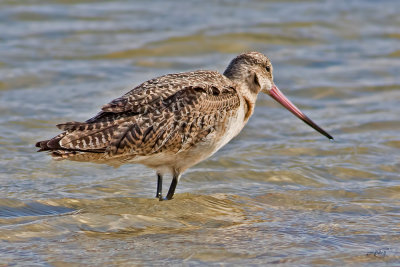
[(173, 122)]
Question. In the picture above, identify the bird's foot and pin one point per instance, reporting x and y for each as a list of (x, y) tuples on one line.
[(160, 198)]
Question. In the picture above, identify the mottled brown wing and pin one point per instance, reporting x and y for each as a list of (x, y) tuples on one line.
[(151, 117), (183, 120), (149, 94), (84, 137)]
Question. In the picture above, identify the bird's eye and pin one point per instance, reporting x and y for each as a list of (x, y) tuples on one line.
[(268, 68)]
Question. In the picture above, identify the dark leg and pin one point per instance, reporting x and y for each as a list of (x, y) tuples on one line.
[(159, 186), (172, 187)]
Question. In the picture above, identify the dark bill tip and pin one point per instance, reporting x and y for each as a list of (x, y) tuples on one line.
[(276, 94)]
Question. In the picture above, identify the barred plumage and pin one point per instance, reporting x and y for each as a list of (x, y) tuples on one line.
[(168, 123)]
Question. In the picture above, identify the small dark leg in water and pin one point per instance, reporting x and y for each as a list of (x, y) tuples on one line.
[(159, 186), (172, 187)]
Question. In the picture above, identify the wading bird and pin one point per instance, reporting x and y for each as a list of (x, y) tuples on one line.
[(172, 122)]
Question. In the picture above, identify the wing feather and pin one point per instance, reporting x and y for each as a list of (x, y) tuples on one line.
[(171, 112), (186, 118)]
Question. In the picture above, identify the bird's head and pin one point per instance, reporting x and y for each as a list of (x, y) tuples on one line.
[(253, 73)]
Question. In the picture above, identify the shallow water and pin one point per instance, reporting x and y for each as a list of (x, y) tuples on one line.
[(279, 193)]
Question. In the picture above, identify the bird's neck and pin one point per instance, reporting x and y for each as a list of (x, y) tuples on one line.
[(245, 88), (249, 98)]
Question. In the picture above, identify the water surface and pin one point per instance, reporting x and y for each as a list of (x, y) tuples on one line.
[(279, 193)]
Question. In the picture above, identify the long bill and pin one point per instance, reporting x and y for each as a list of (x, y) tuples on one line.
[(276, 94)]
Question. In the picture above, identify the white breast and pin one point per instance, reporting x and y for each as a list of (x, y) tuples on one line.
[(233, 127)]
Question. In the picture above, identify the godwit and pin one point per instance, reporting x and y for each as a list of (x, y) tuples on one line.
[(172, 122)]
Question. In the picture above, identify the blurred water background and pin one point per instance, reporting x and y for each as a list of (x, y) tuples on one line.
[(279, 193)]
